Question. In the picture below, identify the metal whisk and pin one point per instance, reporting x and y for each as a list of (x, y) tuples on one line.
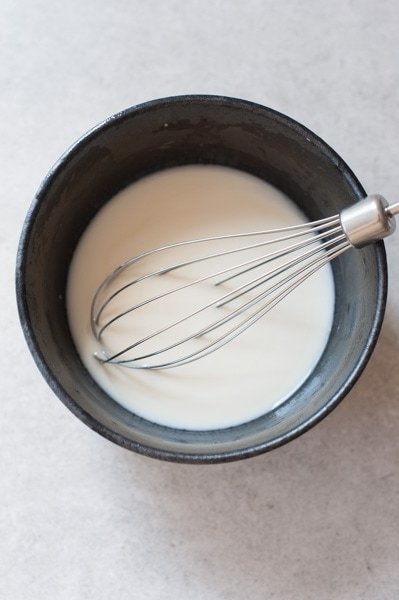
[(242, 292)]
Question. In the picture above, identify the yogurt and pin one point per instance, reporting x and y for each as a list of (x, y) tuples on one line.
[(252, 374)]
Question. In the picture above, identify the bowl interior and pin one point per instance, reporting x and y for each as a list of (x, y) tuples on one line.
[(166, 133)]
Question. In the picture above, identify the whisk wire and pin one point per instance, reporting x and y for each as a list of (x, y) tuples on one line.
[(301, 251), (259, 260), (321, 258), (299, 230), (250, 285), (235, 331)]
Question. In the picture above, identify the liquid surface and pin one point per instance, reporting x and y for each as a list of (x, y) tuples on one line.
[(253, 373)]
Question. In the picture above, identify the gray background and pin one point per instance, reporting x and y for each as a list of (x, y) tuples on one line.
[(81, 518)]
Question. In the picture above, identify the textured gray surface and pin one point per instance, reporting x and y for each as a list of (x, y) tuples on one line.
[(79, 517)]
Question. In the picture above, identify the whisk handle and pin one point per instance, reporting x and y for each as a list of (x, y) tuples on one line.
[(392, 209), (369, 220)]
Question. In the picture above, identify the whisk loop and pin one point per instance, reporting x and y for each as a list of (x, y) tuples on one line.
[(292, 254)]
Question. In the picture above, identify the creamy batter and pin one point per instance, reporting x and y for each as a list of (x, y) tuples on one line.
[(249, 376)]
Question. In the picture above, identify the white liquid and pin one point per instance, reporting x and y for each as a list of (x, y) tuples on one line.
[(252, 374)]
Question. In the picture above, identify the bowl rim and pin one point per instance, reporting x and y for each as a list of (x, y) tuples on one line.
[(24, 316)]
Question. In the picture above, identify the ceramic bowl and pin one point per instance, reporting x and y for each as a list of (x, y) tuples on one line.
[(200, 129)]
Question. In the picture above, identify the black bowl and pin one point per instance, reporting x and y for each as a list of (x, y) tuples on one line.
[(165, 133)]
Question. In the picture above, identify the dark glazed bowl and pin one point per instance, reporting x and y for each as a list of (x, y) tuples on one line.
[(166, 133)]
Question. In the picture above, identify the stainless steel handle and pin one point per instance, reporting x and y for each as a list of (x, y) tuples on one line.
[(392, 209), (369, 220)]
